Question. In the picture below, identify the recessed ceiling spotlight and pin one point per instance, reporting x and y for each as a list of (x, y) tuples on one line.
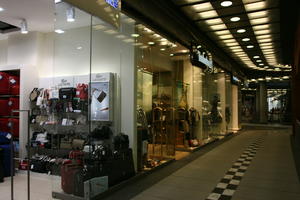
[(70, 14), (246, 39), (1, 9), (261, 64), (258, 60), (151, 43), (59, 31), (255, 56), (226, 3), (250, 46), (24, 29), (57, 1), (135, 35), (163, 49), (241, 31), (171, 54), (235, 19)]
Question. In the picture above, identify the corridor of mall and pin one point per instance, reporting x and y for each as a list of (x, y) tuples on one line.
[(149, 99), (256, 164)]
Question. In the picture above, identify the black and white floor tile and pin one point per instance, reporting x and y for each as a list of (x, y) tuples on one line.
[(230, 182)]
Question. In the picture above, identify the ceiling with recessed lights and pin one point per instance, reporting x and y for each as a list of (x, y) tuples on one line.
[(248, 30)]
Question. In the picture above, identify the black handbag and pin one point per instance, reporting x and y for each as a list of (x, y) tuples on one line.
[(102, 133), (34, 94), (121, 141), (67, 93)]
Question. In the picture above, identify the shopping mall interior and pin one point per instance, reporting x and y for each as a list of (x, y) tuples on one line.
[(149, 99)]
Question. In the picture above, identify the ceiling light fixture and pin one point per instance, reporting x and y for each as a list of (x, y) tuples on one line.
[(1, 9), (235, 19), (151, 43), (70, 14), (241, 31), (59, 31), (246, 39), (260, 64), (250, 46), (57, 1), (226, 3), (24, 29), (258, 60), (135, 35), (163, 49)]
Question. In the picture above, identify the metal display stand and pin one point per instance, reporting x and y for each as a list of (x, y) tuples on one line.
[(12, 158)]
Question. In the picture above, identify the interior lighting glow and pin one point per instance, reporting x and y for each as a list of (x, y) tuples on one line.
[(208, 14), (202, 7), (255, 56), (261, 27), (59, 31), (235, 19), (214, 21), (228, 36), (259, 21), (241, 31), (222, 32), (246, 39), (218, 27), (1, 9), (162, 49), (151, 43), (226, 3), (255, 6), (250, 46), (70, 14), (259, 14), (135, 35), (24, 29)]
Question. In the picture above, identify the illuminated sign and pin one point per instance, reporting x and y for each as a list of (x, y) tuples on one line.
[(113, 3)]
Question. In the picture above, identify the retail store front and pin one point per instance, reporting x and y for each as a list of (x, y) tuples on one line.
[(102, 98)]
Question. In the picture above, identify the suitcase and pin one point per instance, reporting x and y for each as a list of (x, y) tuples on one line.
[(68, 172), (6, 159), (4, 125), (13, 125), (4, 107), (13, 104), (4, 83), (5, 137), (14, 85)]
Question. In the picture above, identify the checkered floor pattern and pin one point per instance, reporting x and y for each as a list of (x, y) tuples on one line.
[(229, 183)]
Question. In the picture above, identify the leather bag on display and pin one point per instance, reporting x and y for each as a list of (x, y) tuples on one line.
[(4, 107), (68, 172), (34, 94), (14, 85), (4, 83), (82, 91)]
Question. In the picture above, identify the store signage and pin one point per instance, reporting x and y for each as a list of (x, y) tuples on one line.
[(113, 3), (235, 80), (201, 59)]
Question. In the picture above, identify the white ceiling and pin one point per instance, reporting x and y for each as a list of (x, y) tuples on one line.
[(38, 13)]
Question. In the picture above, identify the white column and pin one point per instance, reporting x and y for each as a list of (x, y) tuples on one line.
[(234, 106)]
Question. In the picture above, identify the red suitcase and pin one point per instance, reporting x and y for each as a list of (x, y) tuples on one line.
[(13, 104), (4, 125), (14, 85), (68, 172), (13, 127), (4, 107), (4, 83)]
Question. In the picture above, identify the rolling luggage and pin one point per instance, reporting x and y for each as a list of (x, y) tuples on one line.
[(4, 125), (4, 83), (6, 159), (5, 138), (68, 172), (13, 104), (14, 85), (4, 107)]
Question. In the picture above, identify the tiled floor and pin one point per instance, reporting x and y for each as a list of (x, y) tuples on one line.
[(271, 173)]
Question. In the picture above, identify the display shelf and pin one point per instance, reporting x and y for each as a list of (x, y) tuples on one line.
[(17, 117), (8, 95)]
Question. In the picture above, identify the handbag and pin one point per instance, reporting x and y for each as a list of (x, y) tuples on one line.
[(40, 98), (53, 93), (78, 144), (82, 91), (67, 93), (34, 94)]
